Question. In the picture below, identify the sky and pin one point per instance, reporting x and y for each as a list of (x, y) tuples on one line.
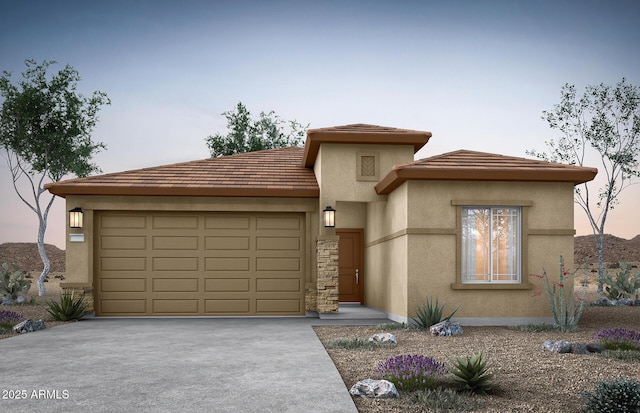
[(477, 74)]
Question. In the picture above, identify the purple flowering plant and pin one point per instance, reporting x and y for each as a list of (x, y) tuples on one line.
[(411, 372), (8, 319), (618, 339)]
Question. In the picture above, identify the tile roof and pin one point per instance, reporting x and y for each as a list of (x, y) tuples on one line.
[(480, 166), (268, 173), (361, 133)]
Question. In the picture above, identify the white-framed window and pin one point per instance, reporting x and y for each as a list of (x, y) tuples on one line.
[(491, 244)]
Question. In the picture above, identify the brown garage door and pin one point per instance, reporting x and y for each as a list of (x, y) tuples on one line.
[(199, 264)]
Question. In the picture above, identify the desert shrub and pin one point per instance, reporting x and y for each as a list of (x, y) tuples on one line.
[(411, 372), (618, 339), (442, 400), (70, 307), (630, 356), (624, 285), (8, 319), (615, 396), (472, 373), (355, 344), (13, 283), (565, 307), (430, 313), (396, 326), (536, 328)]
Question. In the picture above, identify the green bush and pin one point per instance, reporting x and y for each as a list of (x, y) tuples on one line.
[(631, 356), (396, 326), (12, 281), (536, 328), (355, 344), (430, 314), (624, 285), (70, 307), (615, 396), (472, 373)]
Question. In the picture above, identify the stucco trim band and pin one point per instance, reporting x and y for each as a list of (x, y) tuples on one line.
[(413, 231)]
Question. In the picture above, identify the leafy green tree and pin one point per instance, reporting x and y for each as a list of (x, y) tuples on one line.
[(248, 135), (606, 120), (45, 130)]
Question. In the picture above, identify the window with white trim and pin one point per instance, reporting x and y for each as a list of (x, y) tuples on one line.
[(491, 244)]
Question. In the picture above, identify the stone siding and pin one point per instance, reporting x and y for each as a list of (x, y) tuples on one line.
[(327, 295)]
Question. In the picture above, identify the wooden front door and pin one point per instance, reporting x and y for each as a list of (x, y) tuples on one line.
[(351, 265)]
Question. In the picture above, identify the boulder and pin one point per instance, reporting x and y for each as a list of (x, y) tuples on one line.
[(445, 328), (563, 347), (383, 338), (579, 348), (595, 348), (381, 389), (28, 326)]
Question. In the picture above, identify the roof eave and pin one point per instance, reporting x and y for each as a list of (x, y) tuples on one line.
[(397, 177), (63, 191), (317, 137)]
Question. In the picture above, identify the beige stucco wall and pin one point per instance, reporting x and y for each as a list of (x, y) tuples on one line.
[(79, 255), (411, 247), (386, 254), (336, 173), (351, 215)]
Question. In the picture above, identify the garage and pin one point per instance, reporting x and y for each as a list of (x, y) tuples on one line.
[(198, 263)]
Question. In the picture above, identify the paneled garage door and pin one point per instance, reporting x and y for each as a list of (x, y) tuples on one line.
[(214, 264)]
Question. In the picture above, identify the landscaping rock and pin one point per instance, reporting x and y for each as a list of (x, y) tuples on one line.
[(381, 389), (579, 348), (445, 328), (383, 338), (595, 348), (7, 301), (28, 326), (563, 347), (613, 303)]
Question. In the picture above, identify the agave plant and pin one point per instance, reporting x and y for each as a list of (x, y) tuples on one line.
[(472, 373), (430, 313), (69, 307)]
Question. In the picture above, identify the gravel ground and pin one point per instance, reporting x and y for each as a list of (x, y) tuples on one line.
[(529, 379)]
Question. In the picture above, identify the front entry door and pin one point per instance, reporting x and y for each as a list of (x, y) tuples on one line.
[(350, 265)]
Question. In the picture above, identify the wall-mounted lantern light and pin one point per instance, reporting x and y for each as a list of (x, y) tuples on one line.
[(75, 218), (329, 217)]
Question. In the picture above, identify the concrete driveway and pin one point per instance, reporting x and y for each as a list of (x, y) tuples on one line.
[(190, 365)]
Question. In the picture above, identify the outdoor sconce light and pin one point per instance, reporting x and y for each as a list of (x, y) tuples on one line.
[(75, 218), (329, 217)]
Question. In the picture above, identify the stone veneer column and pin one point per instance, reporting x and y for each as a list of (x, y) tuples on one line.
[(327, 275)]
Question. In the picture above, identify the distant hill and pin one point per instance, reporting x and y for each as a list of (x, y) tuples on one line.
[(26, 255), (615, 249)]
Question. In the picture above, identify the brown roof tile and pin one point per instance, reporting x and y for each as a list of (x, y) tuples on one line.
[(480, 166), (361, 133), (269, 173)]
